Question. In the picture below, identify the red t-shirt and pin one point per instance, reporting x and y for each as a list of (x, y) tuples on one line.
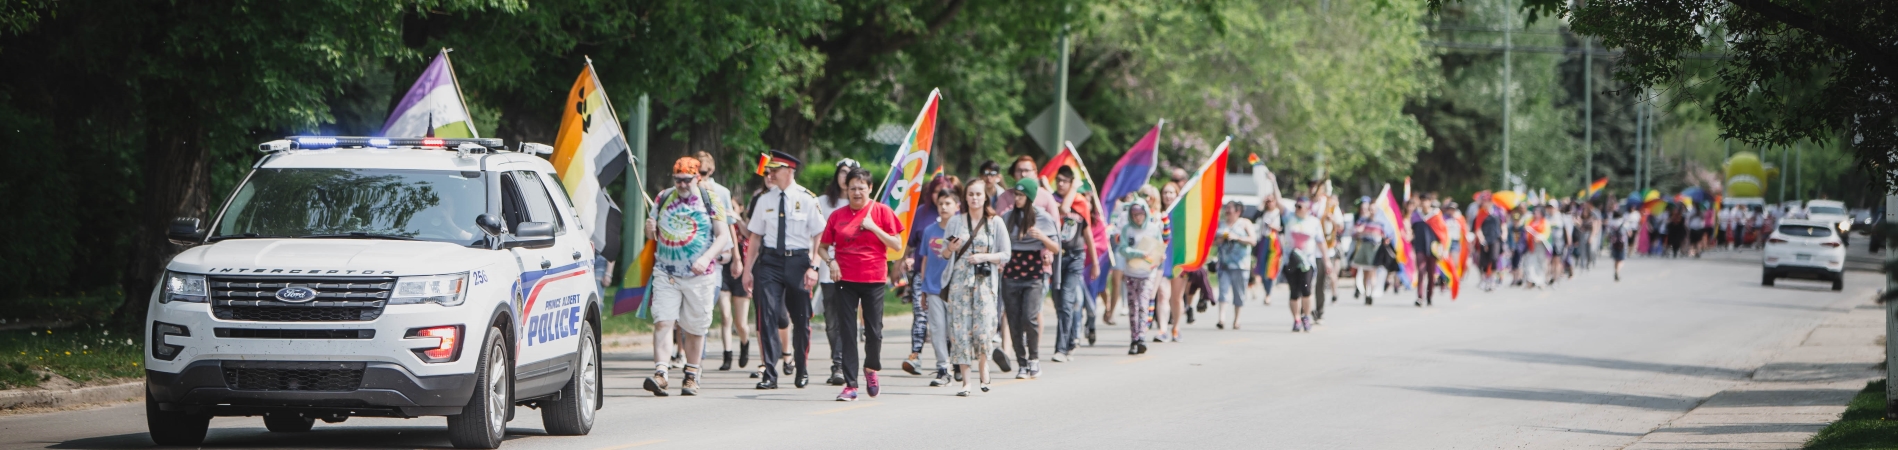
[(860, 255)]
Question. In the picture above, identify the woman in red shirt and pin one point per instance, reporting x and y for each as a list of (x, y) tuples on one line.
[(861, 236)]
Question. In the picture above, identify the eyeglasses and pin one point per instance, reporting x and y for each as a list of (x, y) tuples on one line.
[(684, 179), (991, 172)]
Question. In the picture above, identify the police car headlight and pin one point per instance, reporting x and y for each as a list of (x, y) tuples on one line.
[(445, 290), (181, 287)]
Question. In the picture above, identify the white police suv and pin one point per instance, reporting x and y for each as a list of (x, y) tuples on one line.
[(379, 277)]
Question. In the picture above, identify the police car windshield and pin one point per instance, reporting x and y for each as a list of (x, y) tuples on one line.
[(429, 205)]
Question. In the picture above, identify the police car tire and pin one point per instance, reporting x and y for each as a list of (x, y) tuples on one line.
[(287, 423), (476, 426), (572, 414), (174, 428)]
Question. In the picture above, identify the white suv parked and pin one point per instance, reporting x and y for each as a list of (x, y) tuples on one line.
[(379, 277), (1804, 249)]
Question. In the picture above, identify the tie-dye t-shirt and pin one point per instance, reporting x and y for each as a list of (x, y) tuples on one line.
[(684, 232)]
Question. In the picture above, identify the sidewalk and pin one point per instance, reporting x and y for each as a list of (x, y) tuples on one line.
[(1798, 392)]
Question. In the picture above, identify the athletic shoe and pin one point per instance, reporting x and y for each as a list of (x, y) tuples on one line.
[(690, 386), (941, 378), (849, 395), (1142, 346), (656, 384), (1219, 325), (1059, 358), (909, 365), (1001, 360), (1297, 326), (1033, 370), (1307, 323), (1134, 348), (836, 377), (1023, 373), (870, 383)]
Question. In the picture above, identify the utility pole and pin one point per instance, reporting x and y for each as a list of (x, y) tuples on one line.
[(1507, 66), (1640, 145), (1799, 182), (1061, 94), (1782, 178), (1588, 113), (633, 218)]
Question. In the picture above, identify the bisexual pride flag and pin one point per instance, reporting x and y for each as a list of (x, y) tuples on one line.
[(903, 187), (1133, 170), (433, 107), (1195, 216)]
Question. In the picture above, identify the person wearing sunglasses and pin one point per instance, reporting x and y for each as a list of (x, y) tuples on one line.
[(690, 232)]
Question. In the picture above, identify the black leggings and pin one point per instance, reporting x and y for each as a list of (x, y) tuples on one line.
[(841, 312)]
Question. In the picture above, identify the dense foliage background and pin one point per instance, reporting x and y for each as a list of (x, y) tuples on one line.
[(122, 114)]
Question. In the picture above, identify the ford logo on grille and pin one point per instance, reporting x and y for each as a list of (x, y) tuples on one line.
[(296, 294)]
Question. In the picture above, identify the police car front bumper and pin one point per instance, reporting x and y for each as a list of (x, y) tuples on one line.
[(241, 388)]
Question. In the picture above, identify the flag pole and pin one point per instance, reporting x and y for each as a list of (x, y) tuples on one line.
[(463, 98)]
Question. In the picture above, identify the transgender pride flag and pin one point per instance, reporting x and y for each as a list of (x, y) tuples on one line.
[(1133, 170)]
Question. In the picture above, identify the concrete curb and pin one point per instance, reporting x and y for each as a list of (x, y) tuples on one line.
[(38, 398)]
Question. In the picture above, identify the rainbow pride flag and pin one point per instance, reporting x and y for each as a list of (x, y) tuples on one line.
[(1595, 188), (632, 292), (1274, 255), (1196, 214), (903, 187), (1388, 211)]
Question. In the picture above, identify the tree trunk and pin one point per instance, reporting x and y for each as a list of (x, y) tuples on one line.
[(177, 184)]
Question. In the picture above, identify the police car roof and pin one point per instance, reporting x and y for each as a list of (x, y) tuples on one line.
[(395, 158)]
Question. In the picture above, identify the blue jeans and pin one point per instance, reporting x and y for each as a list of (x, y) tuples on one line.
[(1232, 286), (1069, 296)]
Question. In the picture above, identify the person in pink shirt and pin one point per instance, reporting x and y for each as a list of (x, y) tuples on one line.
[(861, 236)]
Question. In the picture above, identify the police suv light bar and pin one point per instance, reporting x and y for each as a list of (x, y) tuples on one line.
[(323, 142), (533, 148)]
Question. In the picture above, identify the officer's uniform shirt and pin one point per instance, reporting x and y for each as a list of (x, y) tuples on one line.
[(803, 219)]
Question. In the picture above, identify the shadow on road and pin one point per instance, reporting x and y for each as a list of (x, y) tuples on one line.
[(1615, 364), (1651, 402), (1801, 307), (323, 436)]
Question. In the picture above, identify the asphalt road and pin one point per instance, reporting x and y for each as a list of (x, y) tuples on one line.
[(1590, 363)]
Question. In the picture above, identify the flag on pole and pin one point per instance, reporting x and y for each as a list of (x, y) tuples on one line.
[(1252, 159), (591, 151), (632, 292), (1596, 187), (1387, 210), (1272, 253), (903, 187), (1133, 170), (433, 107), (1195, 215)]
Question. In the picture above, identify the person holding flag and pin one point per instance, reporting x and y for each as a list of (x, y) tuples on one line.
[(1074, 266), (781, 273)]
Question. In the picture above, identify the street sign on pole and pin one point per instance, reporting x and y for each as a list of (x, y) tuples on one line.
[(1042, 129)]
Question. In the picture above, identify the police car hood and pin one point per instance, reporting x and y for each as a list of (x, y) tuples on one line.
[(329, 257)]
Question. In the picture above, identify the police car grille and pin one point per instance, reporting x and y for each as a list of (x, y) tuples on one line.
[(293, 376), (337, 299)]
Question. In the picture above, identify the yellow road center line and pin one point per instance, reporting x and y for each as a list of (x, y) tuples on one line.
[(846, 408), (635, 444)]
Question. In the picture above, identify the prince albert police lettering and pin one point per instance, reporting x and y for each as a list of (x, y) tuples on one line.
[(303, 271), (558, 319)]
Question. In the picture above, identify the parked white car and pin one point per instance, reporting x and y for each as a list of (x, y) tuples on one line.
[(1804, 248), (379, 277)]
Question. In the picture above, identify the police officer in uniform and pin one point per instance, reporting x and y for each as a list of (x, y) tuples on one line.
[(783, 228)]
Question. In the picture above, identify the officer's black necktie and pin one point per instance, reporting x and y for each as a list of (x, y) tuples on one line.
[(781, 224)]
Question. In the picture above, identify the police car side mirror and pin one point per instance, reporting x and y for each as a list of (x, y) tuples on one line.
[(533, 235), (184, 231), (491, 224)]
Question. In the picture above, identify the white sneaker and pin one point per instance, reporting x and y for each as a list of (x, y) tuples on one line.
[(1059, 357)]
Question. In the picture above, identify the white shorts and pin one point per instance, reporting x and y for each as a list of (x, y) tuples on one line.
[(686, 301)]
